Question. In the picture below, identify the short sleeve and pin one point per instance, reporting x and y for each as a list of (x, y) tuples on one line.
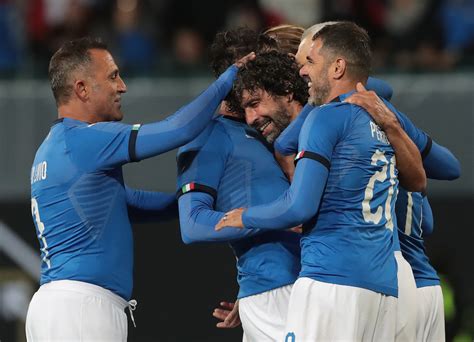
[(201, 163), (102, 145)]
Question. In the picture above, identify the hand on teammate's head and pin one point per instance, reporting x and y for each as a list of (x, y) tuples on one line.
[(249, 57)]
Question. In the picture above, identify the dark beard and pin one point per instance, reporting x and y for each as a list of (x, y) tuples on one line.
[(281, 119)]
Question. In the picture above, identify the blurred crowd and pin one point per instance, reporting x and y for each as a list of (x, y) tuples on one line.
[(170, 38)]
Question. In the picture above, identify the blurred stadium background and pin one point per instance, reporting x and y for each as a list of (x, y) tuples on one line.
[(423, 48)]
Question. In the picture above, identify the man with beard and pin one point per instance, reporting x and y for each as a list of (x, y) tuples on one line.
[(347, 253), (230, 165)]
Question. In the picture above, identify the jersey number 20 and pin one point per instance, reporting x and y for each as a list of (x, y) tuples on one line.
[(388, 170)]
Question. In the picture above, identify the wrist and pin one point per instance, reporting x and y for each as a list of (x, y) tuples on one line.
[(391, 125)]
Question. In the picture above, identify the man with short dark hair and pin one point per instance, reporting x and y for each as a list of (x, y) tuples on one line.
[(81, 207)]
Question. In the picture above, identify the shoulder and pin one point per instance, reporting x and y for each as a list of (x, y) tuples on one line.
[(212, 131), (331, 112)]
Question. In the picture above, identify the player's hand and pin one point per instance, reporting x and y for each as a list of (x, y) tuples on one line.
[(241, 62), (297, 229), (369, 100), (232, 218), (228, 313)]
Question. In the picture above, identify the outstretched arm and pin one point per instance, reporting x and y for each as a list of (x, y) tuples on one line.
[(186, 124), (197, 220), (150, 206), (296, 206), (320, 134)]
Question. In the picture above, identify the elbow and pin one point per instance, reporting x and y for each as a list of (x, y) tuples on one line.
[(454, 172), (186, 229), (187, 238)]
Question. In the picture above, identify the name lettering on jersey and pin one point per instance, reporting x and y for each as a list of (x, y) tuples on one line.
[(39, 172), (378, 134)]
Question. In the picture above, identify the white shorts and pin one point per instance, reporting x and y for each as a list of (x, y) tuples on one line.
[(263, 315), (321, 311), (67, 310), (407, 301), (430, 325)]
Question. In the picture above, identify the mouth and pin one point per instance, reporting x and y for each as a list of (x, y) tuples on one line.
[(265, 128)]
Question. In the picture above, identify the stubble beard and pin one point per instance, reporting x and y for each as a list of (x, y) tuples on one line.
[(281, 119)]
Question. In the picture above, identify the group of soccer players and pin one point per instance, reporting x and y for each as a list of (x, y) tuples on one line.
[(344, 277)]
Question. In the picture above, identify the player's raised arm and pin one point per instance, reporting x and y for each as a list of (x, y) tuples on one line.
[(187, 122), (409, 164)]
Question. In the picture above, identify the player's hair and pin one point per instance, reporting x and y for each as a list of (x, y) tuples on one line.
[(287, 36), (275, 72), (312, 30), (231, 45), (73, 55), (350, 41)]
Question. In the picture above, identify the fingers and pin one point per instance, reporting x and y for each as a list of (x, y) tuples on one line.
[(221, 224), (227, 305), (241, 62), (232, 218), (220, 314), (360, 87)]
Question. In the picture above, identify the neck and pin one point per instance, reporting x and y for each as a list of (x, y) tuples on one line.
[(340, 87), (76, 111), (294, 109)]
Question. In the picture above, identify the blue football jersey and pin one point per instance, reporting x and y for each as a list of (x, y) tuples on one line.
[(410, 214), (350, 241), (79, 207), (232, 163)]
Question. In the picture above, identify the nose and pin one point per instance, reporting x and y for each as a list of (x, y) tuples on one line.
[(303, 71), (250, 116), (122, 87)]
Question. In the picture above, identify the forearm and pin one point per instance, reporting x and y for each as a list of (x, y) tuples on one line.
[(198, 219), (411, 173), (186, 124), (150, 206), (297, 205)]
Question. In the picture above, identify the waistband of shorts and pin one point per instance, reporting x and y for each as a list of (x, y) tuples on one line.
[(85, 288)]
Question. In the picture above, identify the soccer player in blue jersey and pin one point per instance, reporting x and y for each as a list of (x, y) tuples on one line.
[(80, 205), (231, 164), (343, 188), (415, 220)]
